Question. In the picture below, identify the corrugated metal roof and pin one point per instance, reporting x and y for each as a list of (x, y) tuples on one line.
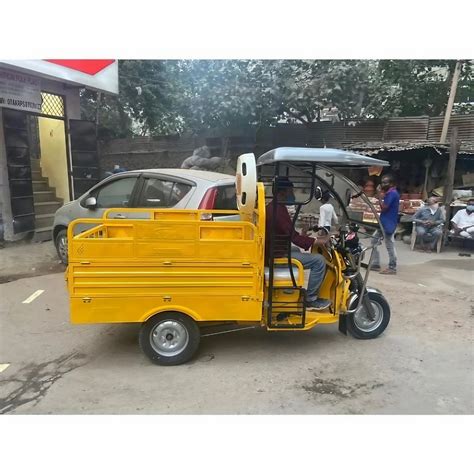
[(464, 123), (290, 135), (406, 128), (373, 148), (356, 131), (325, 134)]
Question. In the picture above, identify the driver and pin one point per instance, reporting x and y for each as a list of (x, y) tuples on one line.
[(284, 229)]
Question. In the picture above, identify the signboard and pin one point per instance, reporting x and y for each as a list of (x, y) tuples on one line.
[(20, 91), (96, 74)]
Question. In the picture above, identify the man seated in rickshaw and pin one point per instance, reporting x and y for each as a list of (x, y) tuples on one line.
[(283, 228)]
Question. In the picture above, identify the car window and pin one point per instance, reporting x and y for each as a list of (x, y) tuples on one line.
[(161, 193), (117, 193), (225, 198)]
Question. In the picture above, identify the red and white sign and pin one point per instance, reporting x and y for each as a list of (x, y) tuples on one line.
[(96, 74)]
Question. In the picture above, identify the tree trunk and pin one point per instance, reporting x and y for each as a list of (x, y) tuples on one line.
[(360, 102)]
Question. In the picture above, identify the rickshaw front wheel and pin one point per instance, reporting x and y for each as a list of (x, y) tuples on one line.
[(361, 326), (169, 338)]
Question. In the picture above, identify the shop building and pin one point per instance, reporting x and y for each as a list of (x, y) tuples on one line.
[(48, 155)]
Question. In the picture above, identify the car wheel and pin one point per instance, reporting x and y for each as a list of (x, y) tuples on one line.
[(61, 245)]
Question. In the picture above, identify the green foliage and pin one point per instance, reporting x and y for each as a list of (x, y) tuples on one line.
[(167, 97)]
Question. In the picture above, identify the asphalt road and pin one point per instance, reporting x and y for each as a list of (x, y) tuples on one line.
[(422, 364)]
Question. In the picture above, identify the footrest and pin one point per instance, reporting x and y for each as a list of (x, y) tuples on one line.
[(287, 308)]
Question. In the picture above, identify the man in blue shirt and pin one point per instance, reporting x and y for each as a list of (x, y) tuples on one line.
[(389, 200)]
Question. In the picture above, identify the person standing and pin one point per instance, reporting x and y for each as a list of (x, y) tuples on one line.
[(326, 212), (389, 200)]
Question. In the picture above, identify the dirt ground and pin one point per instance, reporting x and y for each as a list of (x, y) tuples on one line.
[(422, 364)]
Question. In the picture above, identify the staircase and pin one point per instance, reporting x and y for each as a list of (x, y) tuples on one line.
[(45, 201)]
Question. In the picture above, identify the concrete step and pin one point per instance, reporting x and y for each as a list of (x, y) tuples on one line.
[(45, 196), (42, 234), (35, 165), (36, 175), (48, 207), (44, 220), (41, 185)]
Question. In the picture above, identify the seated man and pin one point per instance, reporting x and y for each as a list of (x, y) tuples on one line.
[(429, 220), (284, 231), (463, 221)]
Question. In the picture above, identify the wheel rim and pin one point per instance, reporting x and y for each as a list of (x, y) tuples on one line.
[(62, 248), (169, 338), (362, 321)]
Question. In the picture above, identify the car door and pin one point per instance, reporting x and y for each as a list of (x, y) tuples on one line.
[(163, 191), (117, 192)]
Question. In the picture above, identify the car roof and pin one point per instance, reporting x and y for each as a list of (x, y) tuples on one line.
[(328, 156), (211, 176)]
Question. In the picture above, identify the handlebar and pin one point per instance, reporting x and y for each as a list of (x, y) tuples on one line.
[(317, 228)]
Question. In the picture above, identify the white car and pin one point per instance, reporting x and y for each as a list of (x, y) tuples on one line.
[(160, 188)]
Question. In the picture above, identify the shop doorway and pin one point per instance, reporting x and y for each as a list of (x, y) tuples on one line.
[(48, 164), (53, 156)]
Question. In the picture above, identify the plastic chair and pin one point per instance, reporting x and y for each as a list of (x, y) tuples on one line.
[(414, 236)]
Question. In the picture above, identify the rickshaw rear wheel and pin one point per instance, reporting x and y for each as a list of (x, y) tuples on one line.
[(359, 324), (169, 338)]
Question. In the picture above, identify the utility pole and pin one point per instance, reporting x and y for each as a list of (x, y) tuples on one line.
[(97, 111), (448, 188), (452, 96), (453, 151)]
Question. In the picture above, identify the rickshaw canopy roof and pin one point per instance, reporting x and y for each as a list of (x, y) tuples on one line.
[(327, 156)]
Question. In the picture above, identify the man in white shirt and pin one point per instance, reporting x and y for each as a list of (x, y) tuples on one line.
[(326, 212), (463, 221)]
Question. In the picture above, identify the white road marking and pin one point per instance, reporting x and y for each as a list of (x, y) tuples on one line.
[(33, 296), (4, 367)]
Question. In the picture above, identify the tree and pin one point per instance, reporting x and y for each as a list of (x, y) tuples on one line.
[(305, 89), (167, 97), (216, 93), (145, 104), (421, 87)]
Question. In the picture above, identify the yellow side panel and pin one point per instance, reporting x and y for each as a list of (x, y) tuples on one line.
[(129, 271), (166, 249), (160, 280), (136, 310), (96, 248)]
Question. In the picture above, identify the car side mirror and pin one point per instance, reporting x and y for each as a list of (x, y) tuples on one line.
[(91, 202)]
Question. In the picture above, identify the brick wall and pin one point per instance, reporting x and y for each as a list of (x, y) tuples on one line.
[(171, 151)]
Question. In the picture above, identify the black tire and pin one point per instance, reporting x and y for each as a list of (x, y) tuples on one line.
[(172, 326), (354, 323), (59, 241)]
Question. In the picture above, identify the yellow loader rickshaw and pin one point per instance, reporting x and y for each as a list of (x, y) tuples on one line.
[(179, 271)]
